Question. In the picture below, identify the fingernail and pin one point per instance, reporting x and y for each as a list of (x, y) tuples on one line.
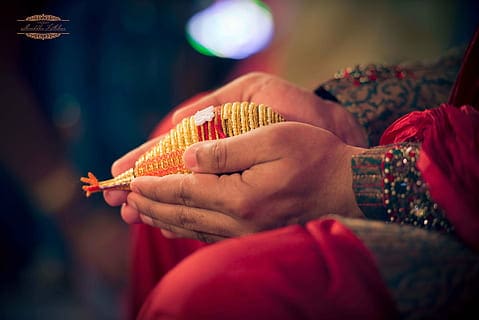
[(130, 215), (132, 204), (146, 219), (134, 186), (189, 157)]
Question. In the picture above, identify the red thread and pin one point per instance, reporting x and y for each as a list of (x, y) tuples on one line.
[(212, 128), (218, 126), (206, 131)]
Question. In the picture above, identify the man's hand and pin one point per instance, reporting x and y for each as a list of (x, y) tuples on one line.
[(270, 177), (294, 103)]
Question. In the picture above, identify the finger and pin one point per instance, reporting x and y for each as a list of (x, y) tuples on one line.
[(169, 234), (231, 194), (132, 216), (235, 154), (115, 197), (240, 89), (204, 191), (129, 214), (189, 218), (128, 160), (235, 195), (180, 232)]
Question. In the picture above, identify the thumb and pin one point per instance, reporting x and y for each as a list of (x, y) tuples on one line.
[(229, 155)]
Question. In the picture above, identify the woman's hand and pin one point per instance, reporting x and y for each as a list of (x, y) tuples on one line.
[(267, 178), (293, 102)]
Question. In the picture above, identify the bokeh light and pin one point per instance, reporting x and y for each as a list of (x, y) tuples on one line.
[(232, 29)]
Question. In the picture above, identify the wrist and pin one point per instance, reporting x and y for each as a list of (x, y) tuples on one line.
[(389, 187), (352, 209)]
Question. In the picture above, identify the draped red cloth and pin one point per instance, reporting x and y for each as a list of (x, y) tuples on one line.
[(448, 161), (322, 270)]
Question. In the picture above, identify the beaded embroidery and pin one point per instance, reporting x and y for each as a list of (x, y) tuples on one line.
[(406, 196), (361, 74), (389, 187)]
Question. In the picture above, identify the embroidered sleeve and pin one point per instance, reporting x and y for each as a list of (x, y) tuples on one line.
[(389, 187), (379, 94)]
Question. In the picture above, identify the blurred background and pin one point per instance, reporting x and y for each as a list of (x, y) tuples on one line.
[(78, 102)]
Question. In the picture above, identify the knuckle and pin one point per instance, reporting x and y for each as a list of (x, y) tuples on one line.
[(256, 75), (278, 135), (157, 223), (141, 205), (156, 194), (242, 201), (184, 217), (183, 194), (256, 82), (165, 226), (219, 155), (243, 207), (148, 209)]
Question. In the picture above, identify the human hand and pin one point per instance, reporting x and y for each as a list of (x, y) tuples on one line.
[(293, 102), (291, 173)]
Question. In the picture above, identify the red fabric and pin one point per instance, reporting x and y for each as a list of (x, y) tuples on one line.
[(449, 161), (319, 272), (410, 128), (152, 257)]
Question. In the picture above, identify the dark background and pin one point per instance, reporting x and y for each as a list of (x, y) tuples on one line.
[(76, 103)]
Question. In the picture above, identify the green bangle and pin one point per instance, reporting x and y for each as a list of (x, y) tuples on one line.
[(368, 183)]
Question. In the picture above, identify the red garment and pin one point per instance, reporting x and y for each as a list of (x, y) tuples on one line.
[(449, 161), (323, 270)]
